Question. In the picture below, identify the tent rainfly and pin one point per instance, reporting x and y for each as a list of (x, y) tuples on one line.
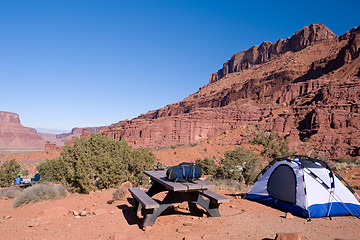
[(305, 187)]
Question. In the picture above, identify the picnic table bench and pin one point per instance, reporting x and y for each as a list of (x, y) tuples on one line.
[(177, 192)]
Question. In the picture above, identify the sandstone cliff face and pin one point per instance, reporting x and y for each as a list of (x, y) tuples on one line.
[(13, 135), (314, 75), (184, 129), (267, 50)]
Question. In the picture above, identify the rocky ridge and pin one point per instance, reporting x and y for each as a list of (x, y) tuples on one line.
[(305, 87)]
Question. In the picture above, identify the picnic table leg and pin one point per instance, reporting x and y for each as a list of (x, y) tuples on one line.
[(170, 199), (211, 207), (155, 189), (151, 216), (137, 205)]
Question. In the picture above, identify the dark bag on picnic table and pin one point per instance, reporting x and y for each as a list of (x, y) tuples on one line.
[(184, 172)]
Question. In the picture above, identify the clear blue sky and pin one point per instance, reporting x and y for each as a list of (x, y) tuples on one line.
[(66, 64)]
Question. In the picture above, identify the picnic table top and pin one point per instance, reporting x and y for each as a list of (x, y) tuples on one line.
[(160, 177)]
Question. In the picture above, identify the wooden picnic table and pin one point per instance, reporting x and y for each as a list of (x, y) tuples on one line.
[(196, 192)]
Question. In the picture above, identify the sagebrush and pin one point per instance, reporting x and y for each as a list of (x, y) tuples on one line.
[(119, 194), (10, 192), (39, 192), (241, 164)]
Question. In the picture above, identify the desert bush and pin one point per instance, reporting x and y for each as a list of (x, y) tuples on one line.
[(9, 192), (274, 146), (340, 166), (349, 160), (51, 170), (346, 162), (229, 184), (98, 158), (39, 192), (119, 194), (8, 172), (241, 164), (208, 166)]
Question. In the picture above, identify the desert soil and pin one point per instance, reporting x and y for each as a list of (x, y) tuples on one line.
[(241, 219)]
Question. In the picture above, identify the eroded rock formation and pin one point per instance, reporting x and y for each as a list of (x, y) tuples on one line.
[(305, 87), (13, 135)]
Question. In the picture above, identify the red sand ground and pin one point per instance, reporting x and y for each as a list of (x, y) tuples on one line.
[(241, 219)]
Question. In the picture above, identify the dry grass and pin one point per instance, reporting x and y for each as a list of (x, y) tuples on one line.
[(230, 184), (39, 192), (119, 194), (10, 192)]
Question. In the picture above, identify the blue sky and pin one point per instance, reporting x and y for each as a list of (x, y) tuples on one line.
[(66, 64)]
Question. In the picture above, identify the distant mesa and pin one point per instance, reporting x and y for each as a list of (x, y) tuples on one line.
[(62, 138), (13, 135)]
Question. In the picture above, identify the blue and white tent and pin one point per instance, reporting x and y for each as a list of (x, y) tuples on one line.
[(305, 187)]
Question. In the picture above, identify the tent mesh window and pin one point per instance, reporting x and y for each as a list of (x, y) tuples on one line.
[(282, 184)]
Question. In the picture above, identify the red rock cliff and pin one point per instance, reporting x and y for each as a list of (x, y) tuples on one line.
[(13, 135), (314, 74)]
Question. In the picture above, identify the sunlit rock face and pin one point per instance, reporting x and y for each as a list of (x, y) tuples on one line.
[(305, 87), (13, 135)]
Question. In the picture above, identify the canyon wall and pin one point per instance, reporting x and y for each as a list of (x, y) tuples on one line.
[(305, 87)]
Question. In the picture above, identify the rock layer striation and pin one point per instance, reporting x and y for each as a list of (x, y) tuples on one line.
[(305, 87), (13, 135)]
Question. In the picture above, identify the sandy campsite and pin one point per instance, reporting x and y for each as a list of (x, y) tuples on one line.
[(241, 219)]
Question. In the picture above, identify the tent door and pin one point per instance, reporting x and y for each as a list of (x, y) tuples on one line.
[(282, 184)]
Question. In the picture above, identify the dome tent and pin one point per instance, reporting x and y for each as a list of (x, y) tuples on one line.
[(305, 187)]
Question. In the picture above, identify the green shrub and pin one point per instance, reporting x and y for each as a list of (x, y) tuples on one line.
[(8, 172), (208, 166), (97, 158), (274, 146), (241, 164), (51, 170), (39, 192)]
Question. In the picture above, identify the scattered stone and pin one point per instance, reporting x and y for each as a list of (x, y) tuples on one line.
[(182, 230), (126, 185), (289, 236), (89, 210), (204, 236), (100, 211), (7, 217), (118, 237), (83, 213), (187, 223), (74, 212), (289, 215), (33, 224), (232, 206), (146, 228)]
